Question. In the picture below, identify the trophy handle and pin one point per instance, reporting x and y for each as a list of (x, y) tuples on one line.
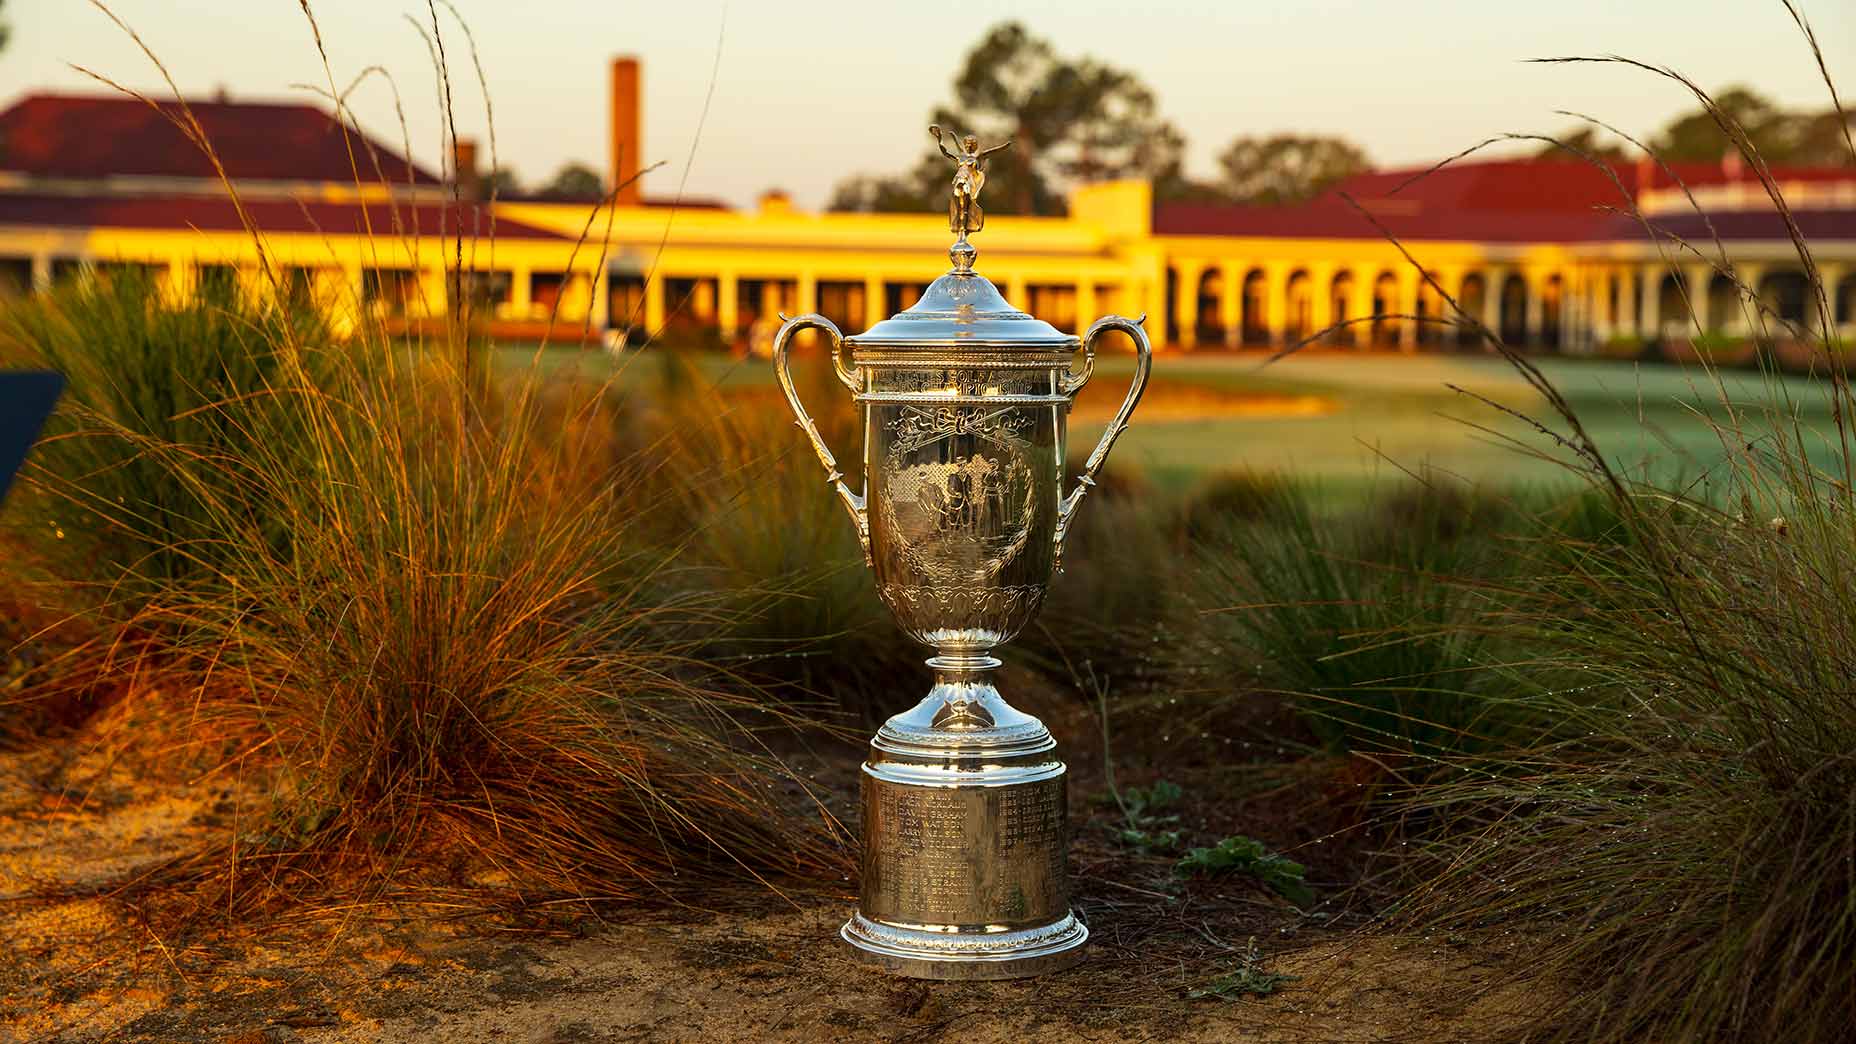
[(1144, 356), (853, 502)]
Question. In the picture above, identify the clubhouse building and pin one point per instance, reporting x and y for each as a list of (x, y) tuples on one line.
[(1556, 255)]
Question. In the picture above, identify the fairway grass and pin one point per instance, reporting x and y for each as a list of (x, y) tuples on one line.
[(1346, 422)]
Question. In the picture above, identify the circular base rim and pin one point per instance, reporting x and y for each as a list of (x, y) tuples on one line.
[(1039, 959)]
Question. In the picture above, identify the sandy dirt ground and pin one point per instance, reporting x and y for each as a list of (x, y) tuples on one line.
[(764, 969), (772, 976)]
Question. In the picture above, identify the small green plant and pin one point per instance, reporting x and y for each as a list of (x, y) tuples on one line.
[(1140, 808), (1622, 346), (1143, 803), (1247, 855), (1248, 979), (1714, 345)]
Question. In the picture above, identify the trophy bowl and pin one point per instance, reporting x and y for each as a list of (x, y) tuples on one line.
[(965, 402)]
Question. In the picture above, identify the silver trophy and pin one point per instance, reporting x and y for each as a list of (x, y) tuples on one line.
[(963, 518)]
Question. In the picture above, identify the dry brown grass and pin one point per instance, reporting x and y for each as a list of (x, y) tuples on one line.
[(423, 617)]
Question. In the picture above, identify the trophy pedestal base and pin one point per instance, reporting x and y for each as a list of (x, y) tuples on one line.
[(965, 835), (966, 956)]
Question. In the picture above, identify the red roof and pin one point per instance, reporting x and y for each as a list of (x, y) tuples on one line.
[(216, 214), (1485, 201), (97, 136), (1700, 230), (651, 202)]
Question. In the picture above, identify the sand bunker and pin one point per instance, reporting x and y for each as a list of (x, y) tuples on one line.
[(1170, 400)]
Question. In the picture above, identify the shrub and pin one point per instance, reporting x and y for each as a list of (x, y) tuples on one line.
[(444, 634), (455, 659), (1680, 846), (435, 628), (1692, 822), (1231, 497), (1368, 625), (745, 500), (1624, 346), (152, 376), (1117, 612)]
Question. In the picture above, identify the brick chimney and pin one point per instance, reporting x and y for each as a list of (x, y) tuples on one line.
[(626, 131), (464, 166)]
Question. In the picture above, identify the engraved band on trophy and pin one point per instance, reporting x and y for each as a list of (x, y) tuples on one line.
[(965, 402)]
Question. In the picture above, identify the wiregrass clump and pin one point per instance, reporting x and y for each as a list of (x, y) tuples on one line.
[(1691, 822), (427, 625), (1368, 624), (148, 368), (802, 615), (99, 514), (1681, 848), (1118, 612), (454, 660)]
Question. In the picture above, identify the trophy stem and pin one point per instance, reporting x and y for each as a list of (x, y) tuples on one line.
[(963, 685)]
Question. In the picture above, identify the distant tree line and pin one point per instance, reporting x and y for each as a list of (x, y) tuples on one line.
[(574, 182), (1077, 120), (1783, 138)]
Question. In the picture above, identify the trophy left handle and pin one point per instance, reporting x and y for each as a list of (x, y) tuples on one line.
[(853, 501), (1144, 362)]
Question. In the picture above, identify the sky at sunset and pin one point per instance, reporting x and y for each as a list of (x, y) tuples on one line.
[(801, 93)]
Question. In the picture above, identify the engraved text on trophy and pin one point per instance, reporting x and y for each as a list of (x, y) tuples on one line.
[(992, 855)]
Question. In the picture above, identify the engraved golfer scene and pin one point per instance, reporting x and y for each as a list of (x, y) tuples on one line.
[(1309, 524)]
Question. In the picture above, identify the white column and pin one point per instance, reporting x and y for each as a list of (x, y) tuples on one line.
[(1321, 300), (1186, 302), (41, 272), (1276, 301), (1572, 311), (807, 293), (1362, 305), (727, 303), (1750, 321), (433, 298), (521, 291), (1829, 274), (1696, 279), (1588, 309), (1152, 293), (876, 294), (1407, 304), (1494, 281), (1536, 312), (653, 304), (1649, 308), (1444, 319), (1629, 316), (177, 280), (1607, 325), (348, 308)]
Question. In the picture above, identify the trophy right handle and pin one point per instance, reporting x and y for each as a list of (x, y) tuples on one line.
[(1144, 362), (853, 502)]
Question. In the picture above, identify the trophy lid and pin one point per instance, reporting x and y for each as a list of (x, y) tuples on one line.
[(963, 309)]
